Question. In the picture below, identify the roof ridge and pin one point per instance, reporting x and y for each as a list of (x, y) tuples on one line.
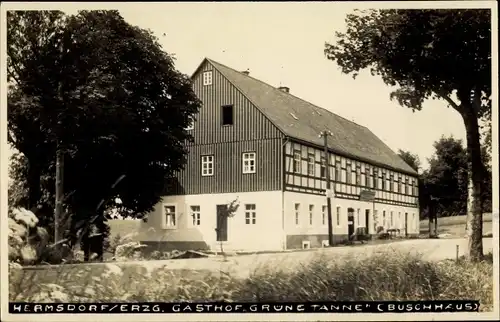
[(294, 96)]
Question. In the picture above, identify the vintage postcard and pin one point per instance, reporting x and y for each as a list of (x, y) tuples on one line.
[(241, 161)]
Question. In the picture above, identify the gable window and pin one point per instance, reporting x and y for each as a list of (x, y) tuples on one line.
[(196, 215), (338, 216), (249, 162), (207, 78), (169, 216), (190, 125), (311, 212), (323, 167), (250, 215), (310, 165), (207, 165), (227, 115), (323, 215), (297, 213), (296, 161)]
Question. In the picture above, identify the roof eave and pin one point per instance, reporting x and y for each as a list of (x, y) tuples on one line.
[(352, 156)]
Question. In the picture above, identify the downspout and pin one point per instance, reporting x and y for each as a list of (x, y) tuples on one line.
[(283, 182)]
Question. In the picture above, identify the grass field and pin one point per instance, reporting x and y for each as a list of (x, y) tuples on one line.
[(455, 226)]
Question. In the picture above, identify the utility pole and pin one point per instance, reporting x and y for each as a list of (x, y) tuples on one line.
[(325, 135)]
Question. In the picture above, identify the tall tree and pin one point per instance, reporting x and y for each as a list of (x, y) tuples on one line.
[(446, 178), (106, 94), (443, 54)]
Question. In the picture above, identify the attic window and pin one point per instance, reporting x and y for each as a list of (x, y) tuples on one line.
[(207, 78), (227, 115), (293, 115)]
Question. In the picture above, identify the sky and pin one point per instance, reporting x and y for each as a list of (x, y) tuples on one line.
[(282, 44)]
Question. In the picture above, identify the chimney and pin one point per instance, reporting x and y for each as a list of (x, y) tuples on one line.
[(246, 72), (284, 89)]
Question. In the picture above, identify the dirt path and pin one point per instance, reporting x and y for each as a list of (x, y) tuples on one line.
[(242, 266)]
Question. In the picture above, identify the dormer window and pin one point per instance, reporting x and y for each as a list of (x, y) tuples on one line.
[(207, 78), (227, 115)]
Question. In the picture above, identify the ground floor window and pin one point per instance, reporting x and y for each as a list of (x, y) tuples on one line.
[(250, 214), (169, 215), (297, 214), (196, 215), (338, 216)]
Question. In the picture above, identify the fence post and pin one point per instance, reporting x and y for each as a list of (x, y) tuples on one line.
[(457, 253)]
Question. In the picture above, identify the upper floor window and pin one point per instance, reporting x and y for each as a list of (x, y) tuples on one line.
[(296, 161), (337, 171), (227, 115), (323, 167), (207, 165), (207, 78), (249, 162), (357, 175), (348, 174), (310, 165)]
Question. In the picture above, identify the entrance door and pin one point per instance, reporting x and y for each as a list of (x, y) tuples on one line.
[(221, 229), (406, 224), (367, 220), (350, 223)]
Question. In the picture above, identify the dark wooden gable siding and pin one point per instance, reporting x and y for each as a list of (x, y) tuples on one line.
[(249, 122), (251, 132)]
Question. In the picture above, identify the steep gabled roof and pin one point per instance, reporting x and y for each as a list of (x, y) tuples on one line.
[(304, 121)]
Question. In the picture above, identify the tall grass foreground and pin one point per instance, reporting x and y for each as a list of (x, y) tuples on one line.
[(383, 276)]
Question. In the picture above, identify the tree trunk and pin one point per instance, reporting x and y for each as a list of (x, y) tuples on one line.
[(33, 182), (475, 219), (469, 204), (58, 213), (436, 234), (430, 224)]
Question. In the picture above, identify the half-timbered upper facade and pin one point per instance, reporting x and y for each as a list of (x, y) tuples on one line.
[(256, 142), (251, 136)]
